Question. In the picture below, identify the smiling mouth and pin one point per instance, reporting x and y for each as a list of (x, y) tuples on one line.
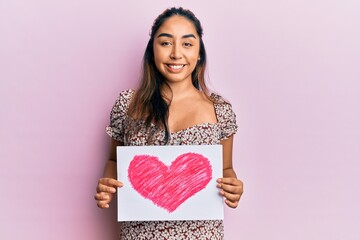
[(177, 66)]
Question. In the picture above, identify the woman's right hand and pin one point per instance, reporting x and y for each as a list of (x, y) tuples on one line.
[(105, 191)]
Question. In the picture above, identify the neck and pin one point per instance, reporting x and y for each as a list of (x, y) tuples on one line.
[(180, 90)]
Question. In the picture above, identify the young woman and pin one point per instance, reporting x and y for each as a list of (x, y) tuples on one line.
[(172, 106)]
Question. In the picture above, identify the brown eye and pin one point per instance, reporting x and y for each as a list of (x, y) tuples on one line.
[(187, 44), (165, 43)]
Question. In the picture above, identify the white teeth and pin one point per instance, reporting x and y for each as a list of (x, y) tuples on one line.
[(176, 66)]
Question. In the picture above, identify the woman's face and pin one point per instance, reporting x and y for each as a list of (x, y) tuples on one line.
[(176, 49)]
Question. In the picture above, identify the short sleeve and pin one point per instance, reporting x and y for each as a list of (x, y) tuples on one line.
[(226, 117), (118, 116)]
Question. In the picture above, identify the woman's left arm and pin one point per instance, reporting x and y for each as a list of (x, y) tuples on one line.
[(231, 188)]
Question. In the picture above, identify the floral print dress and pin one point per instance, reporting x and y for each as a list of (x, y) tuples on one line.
[(134, 133)]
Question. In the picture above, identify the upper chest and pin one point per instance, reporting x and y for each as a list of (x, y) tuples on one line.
[(183, 115)]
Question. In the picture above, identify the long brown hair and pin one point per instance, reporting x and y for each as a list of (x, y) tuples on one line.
[(148, 103)]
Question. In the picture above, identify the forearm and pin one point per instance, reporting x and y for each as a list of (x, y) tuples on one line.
[(110, 170), (229, 172)]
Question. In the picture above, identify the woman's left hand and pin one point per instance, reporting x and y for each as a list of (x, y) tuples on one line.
[(231, 190)]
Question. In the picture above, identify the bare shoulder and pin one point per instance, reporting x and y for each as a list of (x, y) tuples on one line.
[(205, 108), (206, 102)]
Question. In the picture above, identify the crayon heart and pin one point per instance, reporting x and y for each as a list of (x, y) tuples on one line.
[(169, 186)]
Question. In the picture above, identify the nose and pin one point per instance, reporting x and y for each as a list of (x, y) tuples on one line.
[(176, 52)]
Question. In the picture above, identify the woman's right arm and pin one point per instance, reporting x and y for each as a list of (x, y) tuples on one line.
[(107, 185)]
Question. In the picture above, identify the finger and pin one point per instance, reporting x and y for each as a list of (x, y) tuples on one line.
[(103, 188), (110, 182), (231, 185), (230, 181), (108, 185), (230, 197), (103, 199), (103, 204), (102, 196), (232, 204), (231, 188)]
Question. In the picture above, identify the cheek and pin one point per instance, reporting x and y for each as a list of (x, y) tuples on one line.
[(194, 58), (160, 54), (194, 55), (157, 57)]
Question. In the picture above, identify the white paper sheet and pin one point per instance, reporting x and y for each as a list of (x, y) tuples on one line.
[(169, 183)]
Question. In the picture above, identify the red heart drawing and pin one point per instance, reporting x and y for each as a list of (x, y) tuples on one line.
[(169, 186)]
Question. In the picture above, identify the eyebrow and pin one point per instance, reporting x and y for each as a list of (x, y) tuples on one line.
[(171, 36)]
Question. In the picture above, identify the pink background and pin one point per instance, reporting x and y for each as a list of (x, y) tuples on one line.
[(290, 68)]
